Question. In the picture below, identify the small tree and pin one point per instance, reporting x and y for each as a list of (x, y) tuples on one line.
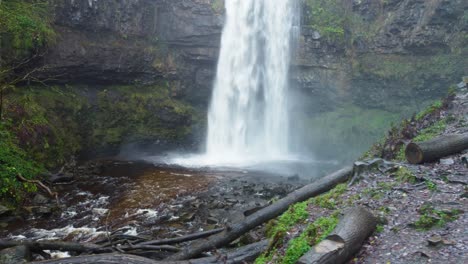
[(25, 33)]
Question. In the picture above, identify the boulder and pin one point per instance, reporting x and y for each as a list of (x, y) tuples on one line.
[(15, 255), (5, 211), (40, 199)]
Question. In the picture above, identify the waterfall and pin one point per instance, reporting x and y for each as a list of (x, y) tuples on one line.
[(248, 115)]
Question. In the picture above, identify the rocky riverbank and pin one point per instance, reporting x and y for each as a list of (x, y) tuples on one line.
[(421, 208)]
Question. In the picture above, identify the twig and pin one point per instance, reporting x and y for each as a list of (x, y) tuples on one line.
[(40, 184)]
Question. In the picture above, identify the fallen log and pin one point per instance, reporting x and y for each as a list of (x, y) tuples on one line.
[(56, 245), (237, 256), (110, 258), (346, 240), (234, 231), (175, 240), (427, 151)]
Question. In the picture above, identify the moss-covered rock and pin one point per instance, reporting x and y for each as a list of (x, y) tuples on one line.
[(45, 126)]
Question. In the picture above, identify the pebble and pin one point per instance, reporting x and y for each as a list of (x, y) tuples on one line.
[(448, 161)]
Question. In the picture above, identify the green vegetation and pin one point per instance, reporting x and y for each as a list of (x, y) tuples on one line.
[(312, 235), (431, 185), (379, 229), (295, 214), (46, 122), (139, 113), (431, 217), (330, 199), (327, 17), (437, 105), (403, 174), (45, 126), (426, 134), (25, 25), (14, 162), (431, 132)]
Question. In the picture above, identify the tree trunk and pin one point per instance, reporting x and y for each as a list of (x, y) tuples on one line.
[(234, 231), (346, 240), (110, 258), (436, 148), (55, 245), (175, 240), (237, 256)]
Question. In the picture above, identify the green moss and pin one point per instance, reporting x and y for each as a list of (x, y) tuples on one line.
[(295, 214), (403, 174), (330, 199), (431, 185), (47, 122), (379, 229), (431, 217), (431, 132), (14, 161), (327, 17), (312, 235), (437, 105), (25, 24), (138, 113)]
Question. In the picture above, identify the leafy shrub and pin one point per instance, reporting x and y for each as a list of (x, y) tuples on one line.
[(14, 162), (26, 24)]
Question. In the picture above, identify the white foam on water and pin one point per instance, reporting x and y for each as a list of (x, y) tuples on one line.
[(149, 213), (132, 231), (55, 254), (77, 233)]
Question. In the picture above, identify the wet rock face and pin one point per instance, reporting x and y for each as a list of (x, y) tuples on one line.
[(421, 27), (407, 33), (136, 41), (146, 41)]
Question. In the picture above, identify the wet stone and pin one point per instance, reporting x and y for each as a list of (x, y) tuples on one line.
[(15, 255), (211, 220), (5, 211), (448, 161), (61, 178), (42, 210), (40, 199), (434, 240)]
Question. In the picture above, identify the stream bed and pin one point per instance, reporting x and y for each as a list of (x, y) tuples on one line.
[(153, 200)]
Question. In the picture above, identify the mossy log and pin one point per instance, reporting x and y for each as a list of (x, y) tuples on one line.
[(241, 255), (346, 240), (236, 230), (427, 151)]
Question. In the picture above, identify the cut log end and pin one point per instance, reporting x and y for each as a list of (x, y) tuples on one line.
[(354, 227), (413, 153), (434, 149)]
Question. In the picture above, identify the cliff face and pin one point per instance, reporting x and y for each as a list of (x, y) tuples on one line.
[(392, 53), (136, 41)]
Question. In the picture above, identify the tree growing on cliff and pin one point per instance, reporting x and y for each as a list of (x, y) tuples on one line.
[(25, 33)]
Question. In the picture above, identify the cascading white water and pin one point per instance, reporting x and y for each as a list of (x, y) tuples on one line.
[(248, 116)]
